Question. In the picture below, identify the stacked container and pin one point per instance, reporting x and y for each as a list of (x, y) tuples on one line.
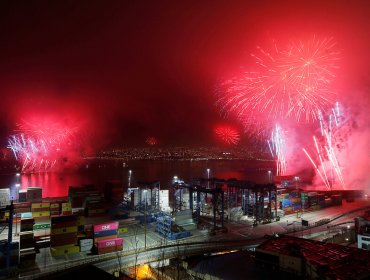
[(105, 231), (86, 245), (26, 240), (312, 198), (66, 208), (63, 235), (286, 205), (327, 202), (94, 209), (78, 195), (54, 208), (27, 224), (34, 194), (4, 197), (80, 224), (305, 201), (40, 209), (109, 246), (27, 249), (295, 197), (41, 233), (22, 196), (336, 199), (22, 207)]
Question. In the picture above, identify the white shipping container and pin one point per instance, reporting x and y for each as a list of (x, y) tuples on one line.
[(4, 197), (86, 248), (86, 242)]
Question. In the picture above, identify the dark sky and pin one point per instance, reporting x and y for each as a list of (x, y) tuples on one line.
[(127, 70)]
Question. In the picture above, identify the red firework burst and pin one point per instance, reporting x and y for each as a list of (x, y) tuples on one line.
[(152, 141), (290, 83), (227, 134), (39, 145)]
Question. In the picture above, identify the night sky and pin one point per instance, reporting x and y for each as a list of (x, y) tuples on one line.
[(127, 70)]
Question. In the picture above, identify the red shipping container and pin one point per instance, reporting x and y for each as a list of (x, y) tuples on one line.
[(22, 205), (110, 243), (107, 250), (105, 227), (109, 237), (63, 239), (64, 224)]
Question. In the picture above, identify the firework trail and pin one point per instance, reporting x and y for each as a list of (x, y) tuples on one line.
[(291, 83), (227, 134), (277, 146), (325, 151)]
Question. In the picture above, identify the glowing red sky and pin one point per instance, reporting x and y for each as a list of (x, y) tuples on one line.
[(129, 70)]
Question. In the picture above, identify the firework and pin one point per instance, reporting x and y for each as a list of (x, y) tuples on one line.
[(325, 150), (277, 146), (292, 83), (38, 146), (227, 134), (152, 141)]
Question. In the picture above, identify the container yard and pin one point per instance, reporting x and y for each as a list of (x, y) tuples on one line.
[(86, 224)]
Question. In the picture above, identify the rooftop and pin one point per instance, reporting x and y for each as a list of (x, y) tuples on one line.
[(334, 260)]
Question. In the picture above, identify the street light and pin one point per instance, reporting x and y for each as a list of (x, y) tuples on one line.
[(208, 170), (145, 192), (269, 174), (129, 178), (296, 178)]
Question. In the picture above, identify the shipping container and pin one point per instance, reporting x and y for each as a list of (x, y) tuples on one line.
[(112, 249), (26, 240), (26, 215), (63, 239), (27, 257), (86, 248), (34, 194), (41, 214), (63, 218), (54, 205), (86, 242), (40, 205), (41, 226), (55, 252), (27, 224), (63, 224), (58, 231), (22, 210), (106, 227), (22, 205), (122, 230), (109, 243), (108, 237), (22, 195), (105, 233)]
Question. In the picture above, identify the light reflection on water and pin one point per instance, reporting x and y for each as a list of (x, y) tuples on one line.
[(55, 184)]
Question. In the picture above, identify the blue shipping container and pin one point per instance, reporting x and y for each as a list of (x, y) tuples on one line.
[(105, 233)]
